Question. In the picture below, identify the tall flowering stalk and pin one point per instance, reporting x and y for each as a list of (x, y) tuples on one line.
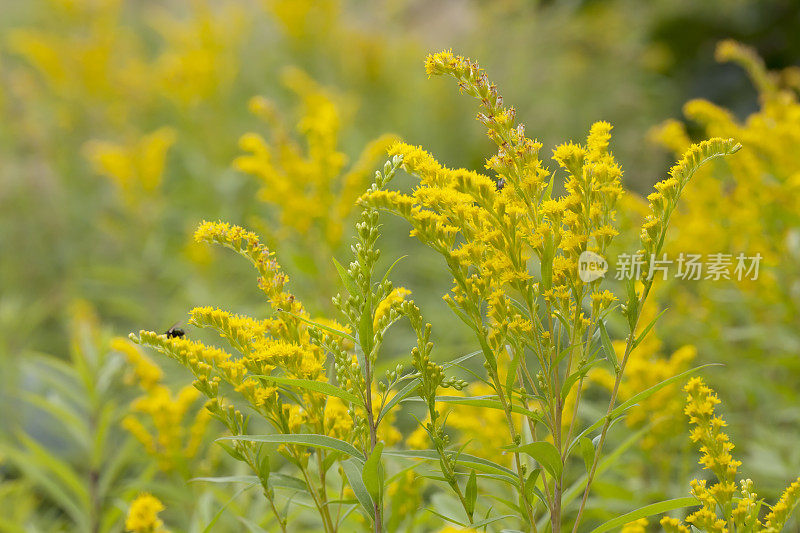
[(513, 251), (724, 506)]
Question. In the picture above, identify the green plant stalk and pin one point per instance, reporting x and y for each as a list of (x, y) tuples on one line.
[(477, 326)]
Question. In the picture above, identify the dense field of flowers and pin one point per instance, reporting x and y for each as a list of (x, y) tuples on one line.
[(443, 332)]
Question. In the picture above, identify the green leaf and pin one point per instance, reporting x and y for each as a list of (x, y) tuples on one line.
[(57, 469), (647, 510), (371, 474), (638, 398), (545, 453), (489, 402), (225, 479), (310, 439), (548, 192), (277, 479), (365, 332), (587, 452), (530, 483), (389, 271), (445, 517), (647, 330), (471, 493), (46, 483), (608, 346), (461, 359), (323, 327), (352, 470), (346, 278), (402, 394), (316, 386), (490, 520), (470, 461)]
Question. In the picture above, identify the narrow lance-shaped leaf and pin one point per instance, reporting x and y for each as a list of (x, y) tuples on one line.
[(647, 510), (545, 453), (608, 347), (371, 473), (471, 493), (313, 440), (315, 386), (352, 470)]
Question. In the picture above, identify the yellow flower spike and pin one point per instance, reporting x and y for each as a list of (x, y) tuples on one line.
[(780, 512), (597, 142), (143, 515), (570, 156), (272, 280)]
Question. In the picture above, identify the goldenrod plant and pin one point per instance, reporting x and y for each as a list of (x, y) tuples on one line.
[(512, 248), (725, 505), (746, 206), (490, 231), (170, 426)]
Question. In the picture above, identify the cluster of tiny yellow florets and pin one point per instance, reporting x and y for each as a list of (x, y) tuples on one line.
[(781, 511), (272, 280), (143, 515), (158, 419), (308, 186), (750, 207), (724, 506), (136, 167), (714, 443)]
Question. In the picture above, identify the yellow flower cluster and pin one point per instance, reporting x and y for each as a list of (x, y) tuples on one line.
[(513, 251), (751, 207), (280, 346), (143, 515), (136, 168), (740, 505), (271, 279), (715, 444), (93, 67), (780, 512), (307, 185), (383, 311), (158, 419), (664, 201), (92, 51)]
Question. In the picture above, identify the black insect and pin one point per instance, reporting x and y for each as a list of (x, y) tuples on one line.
[(500, 184), (174, 331)]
